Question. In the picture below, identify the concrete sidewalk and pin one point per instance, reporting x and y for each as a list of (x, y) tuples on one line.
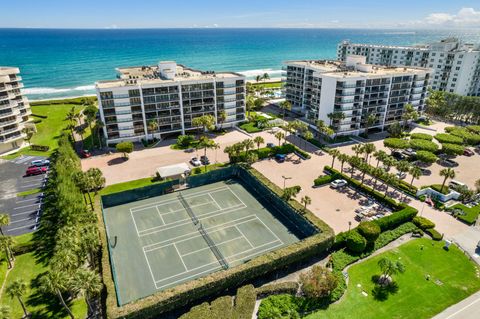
[(468, 308)]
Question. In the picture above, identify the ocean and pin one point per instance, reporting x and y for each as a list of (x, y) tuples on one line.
[(58, 63)]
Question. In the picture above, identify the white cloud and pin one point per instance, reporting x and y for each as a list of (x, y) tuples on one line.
[(465, 17)]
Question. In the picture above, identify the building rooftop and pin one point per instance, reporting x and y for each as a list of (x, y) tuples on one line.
[(448, 44), (355, 66), (6, 70), (164, 72)]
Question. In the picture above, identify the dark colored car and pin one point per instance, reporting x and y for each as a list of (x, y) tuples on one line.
[(399, 156), (468, 152), (270, 145), (280, 158), (204, 160), (85, 154), (447, 163), (35, 170)]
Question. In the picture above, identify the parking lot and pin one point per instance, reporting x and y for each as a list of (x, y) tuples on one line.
[(24, 211)]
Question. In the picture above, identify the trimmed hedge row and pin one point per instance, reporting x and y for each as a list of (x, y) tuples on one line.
[(423, 145), (215, 283), (448, 138), (245, 302), (324, 179), (290, 287), (421, 136), (41, 148), (432, 232)]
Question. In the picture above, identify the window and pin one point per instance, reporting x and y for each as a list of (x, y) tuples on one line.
[(454, 80), (433, 54), (459, 62), (430, 66), (457, 68)]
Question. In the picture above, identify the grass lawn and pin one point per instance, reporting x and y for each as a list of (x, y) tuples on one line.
[(416, 297), (50, 128), (471, 214), (438, 187), (250, 127), (268, 85), (30, 269), (29, 192)]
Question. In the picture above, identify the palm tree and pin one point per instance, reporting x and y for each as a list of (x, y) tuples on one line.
[(5, 312), (285, 105), (248, 144), (416, 172), (389, 268), (377, 172), (152, 126), (369, 121), (88, 283), (80, 131), (16, 290), (447, 173), (409, 113), (258, 140), (368, 149), (358, 149), (342, 158), (205, 143), (305, 200), (389, 162), (6, 242), (354, 162), (265, 76), (4, 221), (258, 78), (56, 282), (250, 104), (388, 179), (98, 127), (307, 136), (320, 125), (403, 166), (221, 117), (380, 155), (334, 154), (331, 117), (279, 136)]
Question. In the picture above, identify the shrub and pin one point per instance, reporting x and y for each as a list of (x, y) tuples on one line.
[(474, 128), (426, 156), (41, 148), (290, 287), (125, 148), (448, 138), (185, 140), (452, 149), (468, 136), (421, 136), (222, 307), (318, 282), (280, 306), (395, 143), (369, 230), (322, 180), (424, 145), (396, 219), (245, 302), (434, 234), (423, 223), (355, 242)]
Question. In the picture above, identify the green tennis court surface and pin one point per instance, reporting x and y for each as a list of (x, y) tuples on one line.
[(163, 241)]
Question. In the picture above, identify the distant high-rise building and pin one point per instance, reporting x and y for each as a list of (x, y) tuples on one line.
[(455, 65), (356, 89), (171, 95), (14, 110)]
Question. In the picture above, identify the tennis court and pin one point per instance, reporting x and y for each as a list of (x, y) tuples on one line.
[(160, 242)]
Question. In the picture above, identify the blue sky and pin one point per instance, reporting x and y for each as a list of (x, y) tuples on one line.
[(243, 13)]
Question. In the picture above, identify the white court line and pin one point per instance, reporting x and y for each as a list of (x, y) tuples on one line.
[(134, 223), (27, 200), (255, 253), (213, 190), (238, 229), (213, 228), (21, 227), (220, 244), (20, 207), (188, 221), (213, 199), (158, 211), (179, 210), (180, 256), (191, 276), (150, 268), (234, 194), (270, 230)]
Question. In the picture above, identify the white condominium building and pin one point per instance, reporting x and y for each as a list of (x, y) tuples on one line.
[(14, 110), (455, 65), (356, 89), (171, 95)]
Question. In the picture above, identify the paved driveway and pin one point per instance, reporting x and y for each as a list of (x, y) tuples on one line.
[(24, 211)]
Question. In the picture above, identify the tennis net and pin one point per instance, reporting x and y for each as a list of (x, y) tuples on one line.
[(213, 247), (187, 208)]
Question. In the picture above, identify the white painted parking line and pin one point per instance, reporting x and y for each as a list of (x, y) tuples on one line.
[(21, 227), (29, 200), (25, 213), (24, 159), (32, 185), (39, 204), (33, 180), (20, 220)]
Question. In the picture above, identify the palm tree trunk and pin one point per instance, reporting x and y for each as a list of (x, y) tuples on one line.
[(443, 184), (90, 308), (386, 191), (8, 258), (411, 183), (341, 168), (333, 161), (59, 294), (1, 231), (99, 139), (23, 307), (90, 198)]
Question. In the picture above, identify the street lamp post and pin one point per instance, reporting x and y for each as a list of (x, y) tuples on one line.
[(284, 180), (349, 225)]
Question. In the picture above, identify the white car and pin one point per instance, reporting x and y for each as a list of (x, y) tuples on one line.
[(401, 175), (40, 163), (338, 183), (195, 162)]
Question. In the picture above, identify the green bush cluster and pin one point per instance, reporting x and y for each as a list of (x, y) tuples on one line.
[(432, 232), (424, 145), (448, 138), (452, 149), (470, 136), (245, 302), (426, 156), (41, 148), (474, 128), (396, 219), (355, 242), (469, 215), (369, 230), (289, 287), (322, 180), (395, 143), (423, 223), (421, 136)]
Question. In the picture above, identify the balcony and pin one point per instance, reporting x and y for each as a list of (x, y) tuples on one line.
[(13, 137), (8, 96), (10, 130)]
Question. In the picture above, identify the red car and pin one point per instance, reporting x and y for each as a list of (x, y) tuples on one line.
[(468, 152), (35, 170), (85, 154)]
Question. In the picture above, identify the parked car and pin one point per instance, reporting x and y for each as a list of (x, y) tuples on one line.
[(409, 152), (190, 150), (425, 172), (85, 153), (454, 184), (385, 168), (338, 183), (35, 170), (40, 163), (280, 158), (468, 152), (271, 145), (399, 156), (195, 162), (401, 175), (447, 163), (204, 160)]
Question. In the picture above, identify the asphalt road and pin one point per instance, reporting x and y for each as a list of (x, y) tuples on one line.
[(24, 211)]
